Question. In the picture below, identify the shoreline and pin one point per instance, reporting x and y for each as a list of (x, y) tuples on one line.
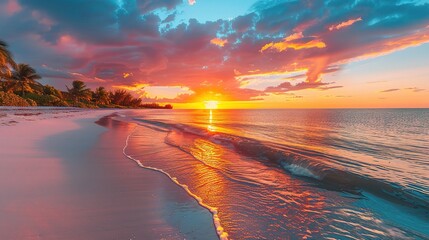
[(222, 234), (78, 184)]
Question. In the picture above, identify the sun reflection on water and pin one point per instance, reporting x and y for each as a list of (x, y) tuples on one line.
[(210, 125)]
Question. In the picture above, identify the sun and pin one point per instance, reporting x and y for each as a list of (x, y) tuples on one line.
[(211, 104)]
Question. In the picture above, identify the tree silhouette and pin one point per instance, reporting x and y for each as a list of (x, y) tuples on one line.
[(101, 96), (79, 91), (23, 74)]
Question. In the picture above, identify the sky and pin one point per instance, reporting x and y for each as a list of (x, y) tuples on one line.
[(241, 53)]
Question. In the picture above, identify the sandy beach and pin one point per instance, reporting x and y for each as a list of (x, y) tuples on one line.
[(64, 176)]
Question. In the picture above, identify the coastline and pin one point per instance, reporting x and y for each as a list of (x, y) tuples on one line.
[(65, 177)]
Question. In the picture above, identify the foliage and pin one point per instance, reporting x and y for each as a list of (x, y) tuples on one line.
[(31, 102), (49, 90), (24, 75), (46, 100), (79, 91), (156, 105), (10, 99), (5, 55), (16, 87), (6, 61), (101, 96)]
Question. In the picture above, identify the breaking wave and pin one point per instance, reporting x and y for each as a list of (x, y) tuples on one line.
[(300, 163)]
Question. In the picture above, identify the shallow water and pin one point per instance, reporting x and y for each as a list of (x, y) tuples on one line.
[(275, 174)]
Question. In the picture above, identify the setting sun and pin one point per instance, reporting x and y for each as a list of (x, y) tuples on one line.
[(211, 104)]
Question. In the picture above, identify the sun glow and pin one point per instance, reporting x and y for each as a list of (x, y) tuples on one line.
[(211, 104)]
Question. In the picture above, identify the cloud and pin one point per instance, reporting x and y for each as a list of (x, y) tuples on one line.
[(126, 75), (290, 44), (294, 36), (10, 7), (343, 96), (344, 24), (390, 90), (192, 2), (287, 86), (219, 42), (416, 89)]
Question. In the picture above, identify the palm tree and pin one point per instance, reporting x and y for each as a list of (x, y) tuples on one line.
[(117, 97), (5, 61), (101, 96), (24, 75), (5, 55), (79, 91)]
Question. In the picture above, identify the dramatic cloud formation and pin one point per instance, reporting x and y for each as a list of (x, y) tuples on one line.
[(142, 45)]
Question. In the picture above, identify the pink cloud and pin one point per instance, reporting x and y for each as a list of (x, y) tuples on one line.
[(12, 7)]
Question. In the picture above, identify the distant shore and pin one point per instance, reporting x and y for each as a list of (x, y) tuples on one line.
[(62, 176)]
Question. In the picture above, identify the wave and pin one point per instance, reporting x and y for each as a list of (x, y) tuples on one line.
[(299, 170), (302, 163)]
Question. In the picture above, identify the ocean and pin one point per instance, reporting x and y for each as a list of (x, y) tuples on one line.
[(294, 174)]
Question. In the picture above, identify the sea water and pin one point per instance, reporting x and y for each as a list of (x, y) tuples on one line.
[(295, 174)]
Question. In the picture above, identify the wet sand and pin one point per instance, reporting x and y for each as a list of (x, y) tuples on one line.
[(66, 178)]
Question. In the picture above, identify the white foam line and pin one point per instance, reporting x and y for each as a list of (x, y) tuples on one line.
[(223, 235)]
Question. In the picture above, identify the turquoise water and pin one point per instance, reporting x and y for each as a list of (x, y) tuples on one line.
[(276, 174)]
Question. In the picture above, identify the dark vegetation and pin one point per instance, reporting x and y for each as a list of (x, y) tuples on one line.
[(19, 87)]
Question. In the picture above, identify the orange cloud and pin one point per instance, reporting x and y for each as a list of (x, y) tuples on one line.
[(288, 42), (283, 46), (219, 42), (344, 24), (126, 75), (294, 36)]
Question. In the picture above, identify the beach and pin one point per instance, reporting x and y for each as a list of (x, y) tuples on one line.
[(64, 176)]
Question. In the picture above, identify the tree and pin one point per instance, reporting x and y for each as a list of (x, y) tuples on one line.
[(135, 102), (79, 91), (5, 55), (118, 96), (101, 96), (23, 74), (50, 90), (6, 60)]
